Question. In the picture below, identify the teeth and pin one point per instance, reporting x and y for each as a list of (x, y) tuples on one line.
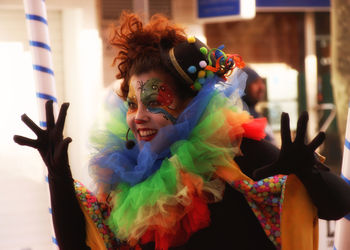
[(144, 133)]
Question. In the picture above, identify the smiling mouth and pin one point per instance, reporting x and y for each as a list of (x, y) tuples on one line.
[(146, 134)]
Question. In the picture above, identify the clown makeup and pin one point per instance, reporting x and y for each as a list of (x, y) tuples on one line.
[(152, 104), (158, 97)]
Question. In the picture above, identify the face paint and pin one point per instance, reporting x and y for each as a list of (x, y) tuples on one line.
[(158, 97), (152, 103), (131, 100)]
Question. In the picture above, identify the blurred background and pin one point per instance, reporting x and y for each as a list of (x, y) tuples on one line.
[(300, 49)]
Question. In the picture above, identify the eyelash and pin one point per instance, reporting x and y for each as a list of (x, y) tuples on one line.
[(153, 103), (132, 105)]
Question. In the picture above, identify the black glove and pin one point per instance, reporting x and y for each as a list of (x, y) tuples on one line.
[(50, 143), (295, 157), (329, 193), (68, 219)]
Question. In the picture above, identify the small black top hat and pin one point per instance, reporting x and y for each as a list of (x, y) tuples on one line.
[(193, 62), (187, 60)]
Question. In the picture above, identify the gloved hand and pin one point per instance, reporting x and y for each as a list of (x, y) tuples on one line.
[(50, 143), (295, 157)]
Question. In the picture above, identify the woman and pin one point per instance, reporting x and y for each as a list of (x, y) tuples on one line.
[(186, 179)]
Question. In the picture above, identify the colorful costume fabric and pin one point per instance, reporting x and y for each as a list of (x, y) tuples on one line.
[(190, 186), (161, 190)]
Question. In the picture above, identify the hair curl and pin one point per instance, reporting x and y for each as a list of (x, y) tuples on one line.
[(138, 46)]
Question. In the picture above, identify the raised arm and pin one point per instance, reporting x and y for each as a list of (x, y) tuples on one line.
[(329, 193), (256, 154), (68, 219)]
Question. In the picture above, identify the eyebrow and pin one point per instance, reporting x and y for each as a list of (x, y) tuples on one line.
[(131, 98)]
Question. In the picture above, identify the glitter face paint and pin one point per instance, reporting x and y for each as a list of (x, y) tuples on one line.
[(158, 97), (152, 104)]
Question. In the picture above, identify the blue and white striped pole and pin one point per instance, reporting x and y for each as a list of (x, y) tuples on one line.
[(342, 228), (39, 41), (38, 32)]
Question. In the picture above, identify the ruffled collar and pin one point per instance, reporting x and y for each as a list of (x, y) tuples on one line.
[(160, 193), (135, 165)]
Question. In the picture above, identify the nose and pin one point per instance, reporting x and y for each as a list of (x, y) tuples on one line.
[(141, 115), (260, 86)]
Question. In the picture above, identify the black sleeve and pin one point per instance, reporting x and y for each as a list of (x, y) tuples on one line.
[(68, 219), (256, 154), (329, 193)]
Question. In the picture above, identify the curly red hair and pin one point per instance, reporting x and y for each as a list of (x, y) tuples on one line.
[(138, 45)]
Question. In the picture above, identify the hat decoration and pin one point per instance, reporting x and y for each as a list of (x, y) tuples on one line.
[(194, 62), (225, 63)]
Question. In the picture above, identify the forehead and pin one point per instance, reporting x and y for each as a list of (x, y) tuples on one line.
[(138, 81), (258, 81)]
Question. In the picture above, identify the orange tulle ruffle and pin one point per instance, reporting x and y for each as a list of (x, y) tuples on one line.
[(185, 220)]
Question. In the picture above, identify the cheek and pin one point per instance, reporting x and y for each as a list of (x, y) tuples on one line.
[(252, 90), (159, 120), (176, 112), (130, 117)]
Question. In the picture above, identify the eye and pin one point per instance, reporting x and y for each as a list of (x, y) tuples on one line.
[(154, 104), (132, 105)]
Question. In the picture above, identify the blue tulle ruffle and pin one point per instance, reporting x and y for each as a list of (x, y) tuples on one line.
[(134, 165)]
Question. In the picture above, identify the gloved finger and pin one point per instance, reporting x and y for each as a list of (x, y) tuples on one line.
[(285, 130), (29, 122), (50, 120), (301, 127), (24, 141), (321, 166), (265, 172), (63, 146), (317, 141), (62, 117)]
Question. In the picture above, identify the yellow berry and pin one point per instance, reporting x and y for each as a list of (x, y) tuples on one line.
[(191, 39), (201, 74)]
